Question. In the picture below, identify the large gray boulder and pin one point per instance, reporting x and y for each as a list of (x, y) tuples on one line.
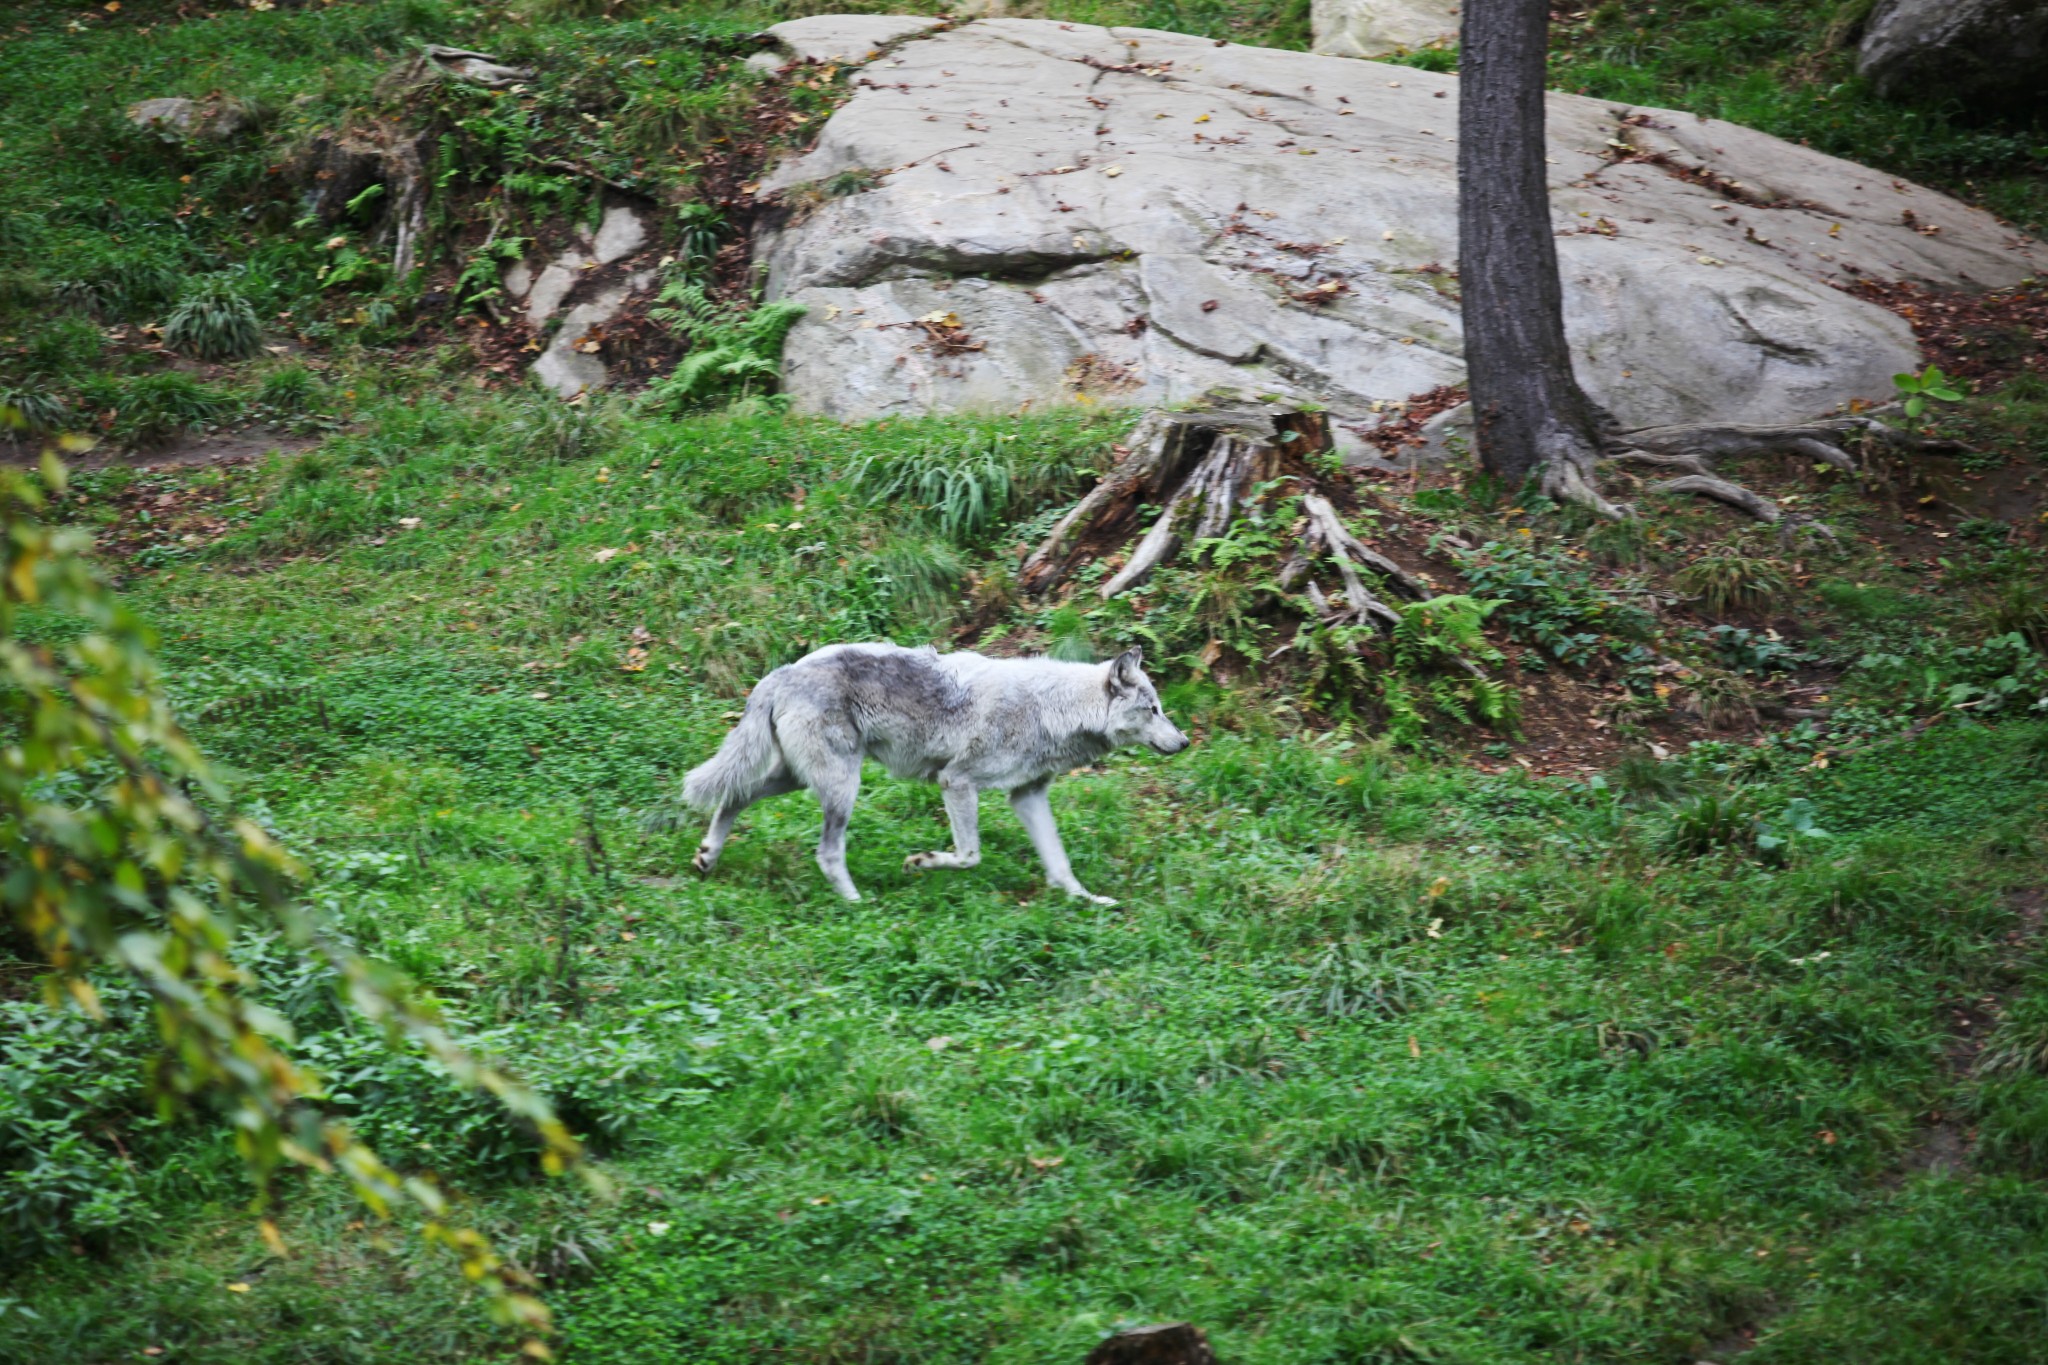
[(1984, 51), (1381, 28), (1013, 213)]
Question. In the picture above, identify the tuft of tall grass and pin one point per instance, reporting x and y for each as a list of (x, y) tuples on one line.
[(214, 320)]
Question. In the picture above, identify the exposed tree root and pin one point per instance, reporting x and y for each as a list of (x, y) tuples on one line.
[(1690, 451), (1199, 468)]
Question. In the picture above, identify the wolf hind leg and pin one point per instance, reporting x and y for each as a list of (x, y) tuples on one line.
[(963, 811), (778, 782), (836, 791)]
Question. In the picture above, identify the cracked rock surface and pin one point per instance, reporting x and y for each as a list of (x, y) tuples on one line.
[(1380, 28), (1129, 216)]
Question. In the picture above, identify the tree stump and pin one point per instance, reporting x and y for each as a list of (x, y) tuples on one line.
[(1170, 1343), (1200, 469)]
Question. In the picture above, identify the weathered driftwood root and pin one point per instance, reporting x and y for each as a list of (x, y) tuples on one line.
[(1327, 536), (1570, 479), (1196, 466), (1207, 498)]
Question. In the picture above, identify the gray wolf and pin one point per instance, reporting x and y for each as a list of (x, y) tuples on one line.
[(961, 720)]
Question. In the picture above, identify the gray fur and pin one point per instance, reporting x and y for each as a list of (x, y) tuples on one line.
[(961, 720)]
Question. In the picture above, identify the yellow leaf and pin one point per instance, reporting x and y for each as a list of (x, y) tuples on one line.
[(271, 1237), (238, 1287)]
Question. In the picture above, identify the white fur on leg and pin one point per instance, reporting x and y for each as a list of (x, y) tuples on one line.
[(1034, 812), (963, 810)]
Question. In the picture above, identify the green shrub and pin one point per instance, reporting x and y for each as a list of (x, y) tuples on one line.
[(1549, 600), (964, 486), (214, 320), (36, 409), (1729, 578), (2019, 607), (288, 390), (63, 347), (1439, 647), (2019, 1045), (1711, 822), (71, 1104)]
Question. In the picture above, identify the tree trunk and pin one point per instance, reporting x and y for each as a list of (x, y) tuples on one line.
[(1532, 419)]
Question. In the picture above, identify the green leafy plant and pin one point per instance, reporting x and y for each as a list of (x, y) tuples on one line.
[(1549, 600), (482, 274), (153, 408), (2019, 1046), (123, 855), (214, 320), (1347, 980), (37, 410), (735, 351), (1713, 821), (1643, 779), (1438, 649), (1916, 389), (2018, 607), (1776, 838)]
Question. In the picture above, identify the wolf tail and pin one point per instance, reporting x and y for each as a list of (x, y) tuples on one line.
[(736, 771)]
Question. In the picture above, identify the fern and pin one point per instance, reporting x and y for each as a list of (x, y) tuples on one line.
[(482, 274), (1439, 647), (735, 352)]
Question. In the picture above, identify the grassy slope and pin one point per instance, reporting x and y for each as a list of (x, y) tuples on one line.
[(1598, 1099), (1383, 1058)]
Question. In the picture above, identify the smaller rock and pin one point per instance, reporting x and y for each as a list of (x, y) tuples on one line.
[(1171, 1343), (836, 38), (1444, 437), (1381, 28), (518, 279), (553, 286), (177, 119), (565, 366), (621, 233), (1988, 51), (475, 67)]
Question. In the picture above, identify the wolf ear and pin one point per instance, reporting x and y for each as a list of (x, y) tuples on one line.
[(1127, 668)]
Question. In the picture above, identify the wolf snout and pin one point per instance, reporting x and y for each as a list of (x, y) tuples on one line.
[(1173, 744)]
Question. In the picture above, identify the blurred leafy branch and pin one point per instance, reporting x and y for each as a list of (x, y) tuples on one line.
[(115, 854)]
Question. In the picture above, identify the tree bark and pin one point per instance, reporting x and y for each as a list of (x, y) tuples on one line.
[(1532, 419)]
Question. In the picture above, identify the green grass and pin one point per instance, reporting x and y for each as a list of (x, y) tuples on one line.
[(1381, 1058)]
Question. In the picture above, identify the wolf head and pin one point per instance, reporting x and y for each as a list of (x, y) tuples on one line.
[(1135, 716)]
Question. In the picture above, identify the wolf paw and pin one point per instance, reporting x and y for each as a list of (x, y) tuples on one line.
[(704, 862)]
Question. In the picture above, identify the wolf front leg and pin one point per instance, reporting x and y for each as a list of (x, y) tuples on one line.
[(963, 810), (1034, 812)]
